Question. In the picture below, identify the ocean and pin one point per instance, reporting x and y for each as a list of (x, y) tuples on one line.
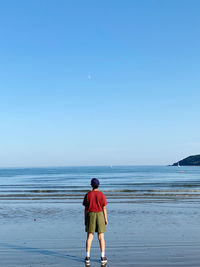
[(153, 216), (120, 183)]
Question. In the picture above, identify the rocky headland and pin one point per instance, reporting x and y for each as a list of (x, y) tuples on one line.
[(189, 161)]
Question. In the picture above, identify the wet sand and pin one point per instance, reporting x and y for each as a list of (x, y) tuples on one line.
[(140, 233)]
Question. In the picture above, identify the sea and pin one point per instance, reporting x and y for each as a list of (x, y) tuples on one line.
[(153, 216), (119, 183)]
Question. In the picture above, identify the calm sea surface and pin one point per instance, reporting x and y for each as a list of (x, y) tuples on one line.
[(153, 214), (123, 184)]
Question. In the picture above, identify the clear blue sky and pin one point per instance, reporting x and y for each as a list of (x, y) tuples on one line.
[(99, 82)]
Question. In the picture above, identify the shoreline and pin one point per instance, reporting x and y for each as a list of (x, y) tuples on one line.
[(145, 234)]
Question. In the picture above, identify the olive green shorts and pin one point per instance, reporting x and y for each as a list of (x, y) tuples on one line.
[(95, 222)]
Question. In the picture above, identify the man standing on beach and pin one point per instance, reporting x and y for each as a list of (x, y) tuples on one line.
[(95, 219)]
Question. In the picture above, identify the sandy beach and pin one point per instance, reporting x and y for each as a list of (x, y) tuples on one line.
[(160, 233), (153, 215)]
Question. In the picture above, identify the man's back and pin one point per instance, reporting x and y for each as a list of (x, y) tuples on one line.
[(95, 219), (95, 201)]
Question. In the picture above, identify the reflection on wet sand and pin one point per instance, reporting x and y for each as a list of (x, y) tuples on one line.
[(153, 216), (40, 251)]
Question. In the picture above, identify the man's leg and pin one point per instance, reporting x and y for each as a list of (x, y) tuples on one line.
[(101, 242), (102, 247), (89, 242)]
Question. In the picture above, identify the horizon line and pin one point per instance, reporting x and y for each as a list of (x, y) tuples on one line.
[(69, 166)]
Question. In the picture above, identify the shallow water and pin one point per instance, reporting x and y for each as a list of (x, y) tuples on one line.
[(153, 215), (139, 234), (123, 183)]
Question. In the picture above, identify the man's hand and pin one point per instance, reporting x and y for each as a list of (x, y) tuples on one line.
[(105, 215)]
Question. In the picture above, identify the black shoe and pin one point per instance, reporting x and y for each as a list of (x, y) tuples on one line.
[(104, 260), (87, 260)]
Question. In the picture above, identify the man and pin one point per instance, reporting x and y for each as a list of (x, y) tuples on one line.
[(95, 219)]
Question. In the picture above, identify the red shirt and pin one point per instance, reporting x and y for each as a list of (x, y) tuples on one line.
[(95, 201)]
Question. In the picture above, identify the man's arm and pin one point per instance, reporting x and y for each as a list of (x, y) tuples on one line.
[(105, 215), (86, 211)]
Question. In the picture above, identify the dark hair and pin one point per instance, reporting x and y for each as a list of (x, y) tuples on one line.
[(95, 183), (95, 186)]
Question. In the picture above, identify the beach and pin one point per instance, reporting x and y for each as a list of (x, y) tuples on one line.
[(46, 227)]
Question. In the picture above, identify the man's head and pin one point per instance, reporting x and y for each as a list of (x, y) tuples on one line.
[(95, 183)]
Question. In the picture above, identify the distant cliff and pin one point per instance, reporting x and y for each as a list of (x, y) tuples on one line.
[(189, 161)]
